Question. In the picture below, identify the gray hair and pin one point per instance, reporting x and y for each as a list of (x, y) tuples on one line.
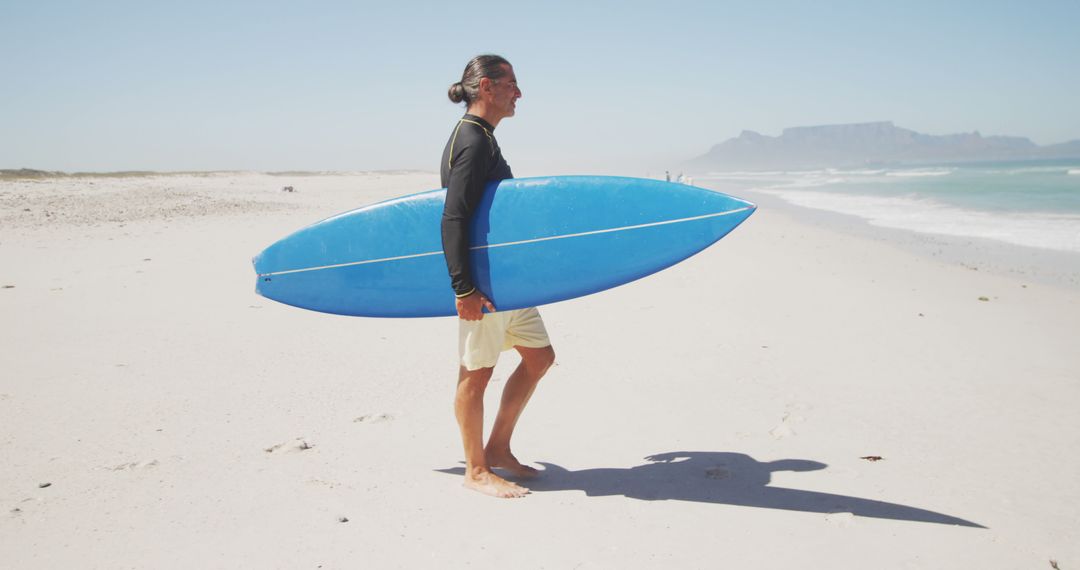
[(479, 67)]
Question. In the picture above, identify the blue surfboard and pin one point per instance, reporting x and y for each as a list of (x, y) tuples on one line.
[(533, 241)]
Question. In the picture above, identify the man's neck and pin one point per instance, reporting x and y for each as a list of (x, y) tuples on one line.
[(480, 110)]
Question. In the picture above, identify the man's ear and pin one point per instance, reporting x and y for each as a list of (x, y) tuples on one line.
[(485, 84)]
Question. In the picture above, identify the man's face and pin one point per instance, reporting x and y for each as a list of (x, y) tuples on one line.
[(505, 92)]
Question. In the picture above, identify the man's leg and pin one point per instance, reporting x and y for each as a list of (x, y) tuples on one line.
[(469, 409), (519, 388)]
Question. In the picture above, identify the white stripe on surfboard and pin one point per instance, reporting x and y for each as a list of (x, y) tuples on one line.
[(509, 243)]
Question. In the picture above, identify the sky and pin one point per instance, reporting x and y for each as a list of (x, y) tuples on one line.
[(620, 87)]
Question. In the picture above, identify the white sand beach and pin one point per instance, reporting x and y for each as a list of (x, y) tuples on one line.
[(156, 413)]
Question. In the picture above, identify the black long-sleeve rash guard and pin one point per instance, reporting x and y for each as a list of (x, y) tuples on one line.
[(470, 161)]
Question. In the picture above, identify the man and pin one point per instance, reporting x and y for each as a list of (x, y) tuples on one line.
[(470, 161)]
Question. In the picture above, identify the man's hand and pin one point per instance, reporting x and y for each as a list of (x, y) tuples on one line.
[(471, 306)]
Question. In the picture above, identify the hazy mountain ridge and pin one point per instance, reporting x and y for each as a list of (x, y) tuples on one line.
[(868, 144)]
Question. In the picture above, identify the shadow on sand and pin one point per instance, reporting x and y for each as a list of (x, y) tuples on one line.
[(721, 478)]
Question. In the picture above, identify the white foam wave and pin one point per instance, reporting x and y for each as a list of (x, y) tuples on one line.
[(1046, 231), (1021, 170), (744, 173), (917, 173), (900, 172), (813, 182), (863, 172)]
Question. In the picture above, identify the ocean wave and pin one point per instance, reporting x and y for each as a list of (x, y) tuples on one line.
[(749, 174), (1074, 172), (1059, 232), (812, 182), (834, 173), (1021, 170), (878, 172), (918, 173)]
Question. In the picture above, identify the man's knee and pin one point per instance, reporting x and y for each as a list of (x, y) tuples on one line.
[(538, 360), (474, 380)]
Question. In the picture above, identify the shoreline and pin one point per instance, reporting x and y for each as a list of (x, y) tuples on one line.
[(1024, 263)]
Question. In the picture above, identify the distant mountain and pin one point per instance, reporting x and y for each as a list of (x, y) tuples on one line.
[(867, 144)]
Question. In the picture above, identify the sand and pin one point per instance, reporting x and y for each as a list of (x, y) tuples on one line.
[(156, 413)]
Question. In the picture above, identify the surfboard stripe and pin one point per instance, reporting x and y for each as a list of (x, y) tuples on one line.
[(511, 243)]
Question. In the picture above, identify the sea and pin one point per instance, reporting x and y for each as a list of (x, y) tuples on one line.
[(1031, 203)]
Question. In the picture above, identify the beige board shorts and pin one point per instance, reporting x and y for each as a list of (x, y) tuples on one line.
[(481, 342)]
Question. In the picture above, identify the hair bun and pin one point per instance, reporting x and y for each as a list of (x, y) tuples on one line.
[(456, 92)]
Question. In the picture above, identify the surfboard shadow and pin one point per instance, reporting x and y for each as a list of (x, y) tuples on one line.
[(722, 478)]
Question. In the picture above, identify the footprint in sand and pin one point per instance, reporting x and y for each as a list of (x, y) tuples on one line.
[(134, 466), (799, 406), (298, 444), (783, 430), (786, 426), (374, 418)]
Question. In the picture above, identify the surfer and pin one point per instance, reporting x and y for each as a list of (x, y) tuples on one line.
[(472, 158)]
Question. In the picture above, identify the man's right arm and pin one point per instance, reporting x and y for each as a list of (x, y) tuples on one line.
[(465, 188)]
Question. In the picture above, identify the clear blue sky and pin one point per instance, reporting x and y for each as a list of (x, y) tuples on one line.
[(608, 87)]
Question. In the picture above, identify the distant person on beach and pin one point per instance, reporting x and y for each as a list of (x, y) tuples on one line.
[(667, 176), (470, 161)]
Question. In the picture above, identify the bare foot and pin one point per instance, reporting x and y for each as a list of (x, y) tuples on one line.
[(489, 483), (506, 460)]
